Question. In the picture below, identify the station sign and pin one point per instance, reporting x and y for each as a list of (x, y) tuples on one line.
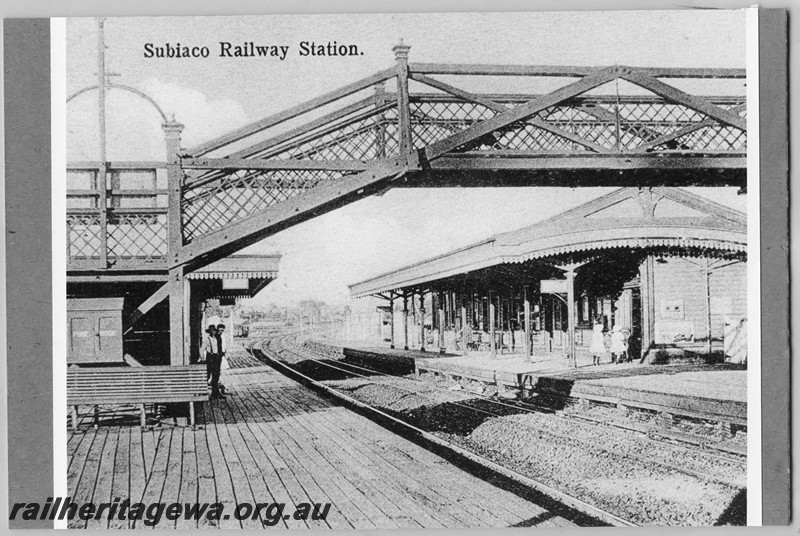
[(554, 286)]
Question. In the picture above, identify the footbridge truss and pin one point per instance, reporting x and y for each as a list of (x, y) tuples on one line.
[(412, 125)]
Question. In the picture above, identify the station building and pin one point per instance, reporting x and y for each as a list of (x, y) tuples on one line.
[(667, 266)]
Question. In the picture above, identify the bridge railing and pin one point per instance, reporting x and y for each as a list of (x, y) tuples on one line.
[(588, 124), (116, 215), (300, 149)]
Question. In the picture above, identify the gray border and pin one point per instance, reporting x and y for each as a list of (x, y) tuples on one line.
[(775, 332), (27, 70), (29, 326)]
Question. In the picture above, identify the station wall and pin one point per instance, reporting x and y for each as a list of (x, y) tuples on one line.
[(684, 299)]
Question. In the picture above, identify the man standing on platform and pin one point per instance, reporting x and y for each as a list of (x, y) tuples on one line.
[(213, 359), (207, 348), (223, 348)]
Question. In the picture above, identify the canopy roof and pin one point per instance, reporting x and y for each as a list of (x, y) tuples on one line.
[(626, 218), (240, 267)]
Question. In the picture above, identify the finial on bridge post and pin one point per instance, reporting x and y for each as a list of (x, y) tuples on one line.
[(172, 135), (401, 51), (403, 111)]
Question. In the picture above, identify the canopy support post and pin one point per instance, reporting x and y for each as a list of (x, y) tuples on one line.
[(707, 288), (441, 323), (405, 322), (391, 322), (571, 316), (492, 340), (422, 321), (464, 337), (527, 346)]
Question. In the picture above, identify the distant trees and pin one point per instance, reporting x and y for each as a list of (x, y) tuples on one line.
[(314, 311)]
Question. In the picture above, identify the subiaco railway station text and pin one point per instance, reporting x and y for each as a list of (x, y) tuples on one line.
[(249, 49)]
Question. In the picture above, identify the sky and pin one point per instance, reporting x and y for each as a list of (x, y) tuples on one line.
[(213, 95)]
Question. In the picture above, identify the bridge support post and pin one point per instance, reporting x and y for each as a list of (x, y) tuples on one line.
[(178, 326), (179, 332), (187, 321), (172, 135)]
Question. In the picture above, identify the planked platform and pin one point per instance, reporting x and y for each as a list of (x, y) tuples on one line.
[(273, 440)]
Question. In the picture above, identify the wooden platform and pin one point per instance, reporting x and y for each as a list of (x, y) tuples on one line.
[(273, 440)]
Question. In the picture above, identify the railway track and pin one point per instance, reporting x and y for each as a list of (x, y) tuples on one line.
[(283, 350), (587, 512), (366, 372)]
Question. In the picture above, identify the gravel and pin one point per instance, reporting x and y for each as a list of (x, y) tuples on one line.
[(624, 443), (645, 493), (647, 482), (616, 470)]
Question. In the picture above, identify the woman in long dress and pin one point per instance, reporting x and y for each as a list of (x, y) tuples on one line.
[(598, 346)]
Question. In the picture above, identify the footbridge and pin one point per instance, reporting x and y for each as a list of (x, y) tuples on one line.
[(411, 125)]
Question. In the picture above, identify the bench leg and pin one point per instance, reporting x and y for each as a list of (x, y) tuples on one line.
[(74, 418), (143, 416), (96, 417), (191, 414)]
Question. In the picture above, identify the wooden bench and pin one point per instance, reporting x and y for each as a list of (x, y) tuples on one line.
[(136, 385)]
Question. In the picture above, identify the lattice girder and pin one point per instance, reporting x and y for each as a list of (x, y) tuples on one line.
[(635, 124), (239, 194), (372, 137)]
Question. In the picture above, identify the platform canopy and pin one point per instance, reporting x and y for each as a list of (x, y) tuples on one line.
[(240, 267), (237, 276), (625, 220)]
